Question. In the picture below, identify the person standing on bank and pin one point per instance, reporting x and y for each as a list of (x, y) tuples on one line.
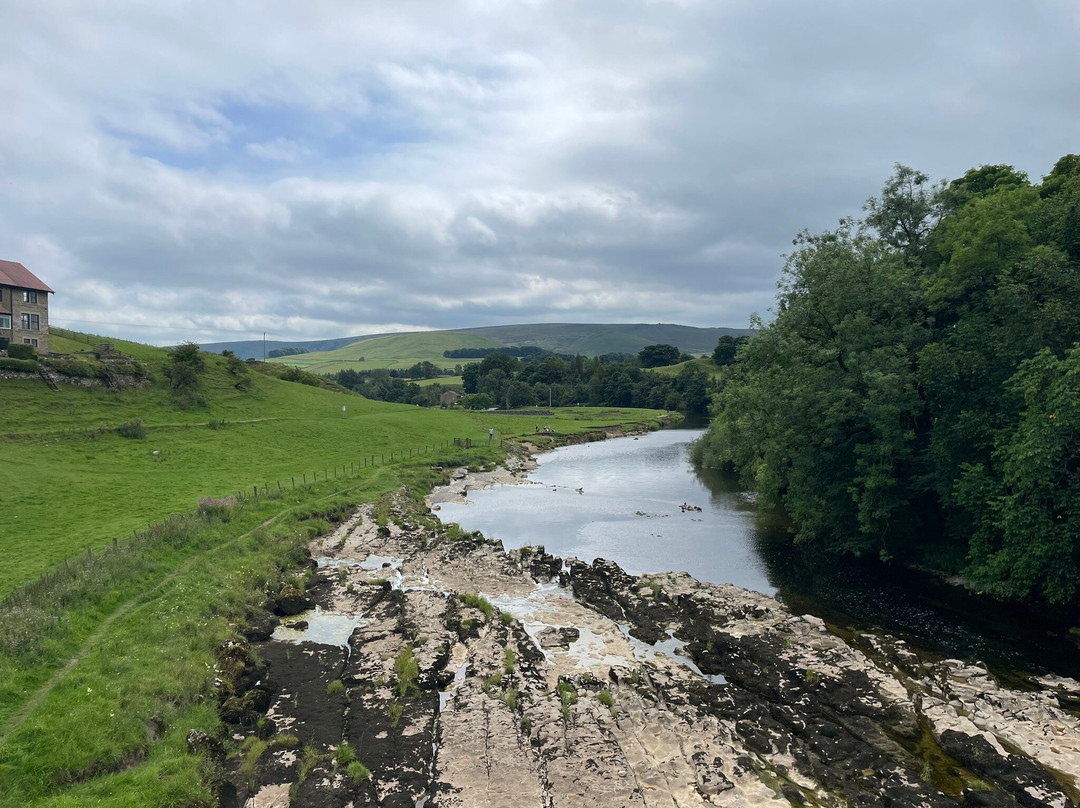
[(491, 434)]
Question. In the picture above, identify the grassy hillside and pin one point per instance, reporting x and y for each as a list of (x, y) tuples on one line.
[(71, 482), (589, 339), (704, 364), (107, 662), (398, 351)]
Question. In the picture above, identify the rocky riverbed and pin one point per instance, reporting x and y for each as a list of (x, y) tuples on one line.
[(421, 666)]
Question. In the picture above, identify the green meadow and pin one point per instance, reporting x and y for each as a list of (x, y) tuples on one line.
[(107, 651), (71, 482), (397, 351)]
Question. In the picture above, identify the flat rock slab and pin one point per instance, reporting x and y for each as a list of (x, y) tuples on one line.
[(461, 675)]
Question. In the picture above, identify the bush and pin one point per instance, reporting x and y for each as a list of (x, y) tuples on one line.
[(477, 401), (185, 367), (22, 350), (22, 365), (136, 369), (78, 368), (132, 429)]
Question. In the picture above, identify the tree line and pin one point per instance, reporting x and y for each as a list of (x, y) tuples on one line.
[(917, 395), (502, 380), (545, 379)]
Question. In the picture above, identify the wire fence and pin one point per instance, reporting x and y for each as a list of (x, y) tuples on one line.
[(31, 608)]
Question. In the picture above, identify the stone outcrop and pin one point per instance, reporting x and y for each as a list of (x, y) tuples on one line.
[(443, 672)]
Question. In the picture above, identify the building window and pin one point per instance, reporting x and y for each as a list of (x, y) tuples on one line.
[(5, 321), (29, 296), (30, 342), (31, 322)]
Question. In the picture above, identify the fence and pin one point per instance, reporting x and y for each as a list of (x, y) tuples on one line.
[(345, 469), (62, 584)]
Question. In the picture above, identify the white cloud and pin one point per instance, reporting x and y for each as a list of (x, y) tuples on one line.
[(279, 150), (319, 169)]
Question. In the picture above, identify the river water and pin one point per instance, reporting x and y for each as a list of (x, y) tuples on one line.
[(624, 500)]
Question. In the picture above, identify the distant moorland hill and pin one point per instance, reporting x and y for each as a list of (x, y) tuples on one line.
[(589, 339)]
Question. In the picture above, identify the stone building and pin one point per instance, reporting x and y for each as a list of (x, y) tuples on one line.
[(24, 306)]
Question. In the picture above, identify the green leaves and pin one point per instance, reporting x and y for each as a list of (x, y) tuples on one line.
[(918, 389)]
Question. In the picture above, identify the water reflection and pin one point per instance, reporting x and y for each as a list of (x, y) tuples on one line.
[(622, 499)]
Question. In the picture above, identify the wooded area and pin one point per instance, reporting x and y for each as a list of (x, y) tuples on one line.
[(917, 395)]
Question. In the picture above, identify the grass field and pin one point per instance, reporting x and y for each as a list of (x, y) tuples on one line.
[(398, 351), (107, 661), (704, 364), (71, 482)]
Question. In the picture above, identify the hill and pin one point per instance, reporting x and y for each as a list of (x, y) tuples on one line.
[(394, 351), (593, 339), (71, 481), (121, 601), (589, 339)]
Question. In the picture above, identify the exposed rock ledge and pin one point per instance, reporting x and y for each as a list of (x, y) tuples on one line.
[(660, 691)]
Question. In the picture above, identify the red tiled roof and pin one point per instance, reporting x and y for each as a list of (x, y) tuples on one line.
[(12, 273)]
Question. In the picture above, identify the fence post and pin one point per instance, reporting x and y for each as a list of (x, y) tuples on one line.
[(294, 483), (256, 490)]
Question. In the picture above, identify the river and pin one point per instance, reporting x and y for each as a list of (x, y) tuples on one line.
[(624, 500)]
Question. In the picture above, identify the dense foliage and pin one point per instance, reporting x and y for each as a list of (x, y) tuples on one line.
[(918, 393), (393, 385), (523, 351), (290, 351), (593, 382)]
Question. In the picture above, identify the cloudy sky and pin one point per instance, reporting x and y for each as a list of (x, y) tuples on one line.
[(213, 169)]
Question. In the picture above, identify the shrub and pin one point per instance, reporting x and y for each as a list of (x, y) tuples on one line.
[(335, 687), (79, 368), (21, 365), (477, 401), (136, 369), (22, 350), (185, 366), (132, 429)]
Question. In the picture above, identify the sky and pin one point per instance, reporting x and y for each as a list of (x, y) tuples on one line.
[(212, 170)]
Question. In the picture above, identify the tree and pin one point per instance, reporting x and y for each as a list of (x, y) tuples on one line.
[(185, 366), (1027, 501), (819, 413), (477, 401), (654, 356), (724, 352), (906, 211)]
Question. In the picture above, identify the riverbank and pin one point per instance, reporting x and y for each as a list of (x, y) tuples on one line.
[(431, 668)]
